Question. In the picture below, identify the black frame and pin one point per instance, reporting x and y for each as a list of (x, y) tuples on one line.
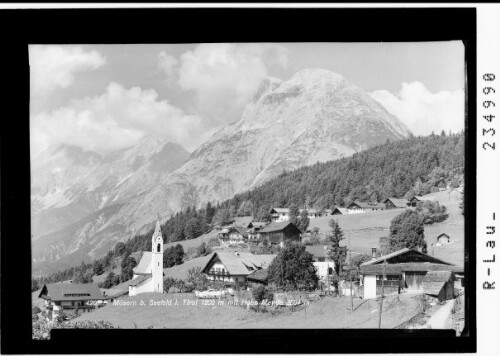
[(93, 26)]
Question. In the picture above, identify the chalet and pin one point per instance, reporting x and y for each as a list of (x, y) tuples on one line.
[(148, 274), (439, 284), (323, 264), (443, 239), (327, 212), (393, 203), (257, 225), (233, 235), (235, 266), (360, 207), (279, 232), (403, 269), (280, 214), (253, 232), (69, 296), (415, 199), (340, 211)]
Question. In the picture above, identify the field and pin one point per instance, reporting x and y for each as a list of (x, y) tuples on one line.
[(329, 312)]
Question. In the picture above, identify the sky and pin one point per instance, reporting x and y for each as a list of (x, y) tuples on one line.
[(107, 97)]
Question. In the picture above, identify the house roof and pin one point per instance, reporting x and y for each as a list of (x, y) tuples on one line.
[(224, 231), (240, 263), (368, 205), (70, 291), (443, 234), (139, 280), (144, 263), (434, 281), (259, 275), (318, 250), (277, 226), (310, 211), (258, 224), (281, 210), (341, 210), (399, 268), (399, 203), (412, 256), (116, 293)]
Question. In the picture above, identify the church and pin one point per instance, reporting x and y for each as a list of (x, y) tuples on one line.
[(148, 275)]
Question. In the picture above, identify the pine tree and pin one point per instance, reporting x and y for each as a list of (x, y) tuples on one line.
[(336, 252)]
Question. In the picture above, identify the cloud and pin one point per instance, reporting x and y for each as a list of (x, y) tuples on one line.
[(224, 77), (423, 111), (116, 119), (167, 64), (54, 67)]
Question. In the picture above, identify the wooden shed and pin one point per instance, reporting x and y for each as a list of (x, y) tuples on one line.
[(443, 238), (279, 232)]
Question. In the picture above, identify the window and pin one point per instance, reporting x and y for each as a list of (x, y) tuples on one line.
[(330, 270), (76, 294), (158, 248), (321, 259)]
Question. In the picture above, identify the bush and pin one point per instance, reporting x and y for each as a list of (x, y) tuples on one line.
[(36, 310), (260, 293)]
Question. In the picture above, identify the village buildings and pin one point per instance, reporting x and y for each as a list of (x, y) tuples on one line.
[(360, 207), (394, 203), (324, 265), (413, 201), (60, 297), (236, 266), (280, 232), (148, 275), (401, 270)]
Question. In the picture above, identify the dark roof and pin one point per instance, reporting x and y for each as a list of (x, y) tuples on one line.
[(398, 268), (443, 234), (138, 280), (241, 230), (281, 210), (420, 198), (70, 291), (277, 226), (411, 254), (364, 205), (399, 203), (259, 276), (341, 210), (317, 250)]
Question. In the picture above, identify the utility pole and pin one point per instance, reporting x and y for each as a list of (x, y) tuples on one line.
[(350, 273), (381, 297)]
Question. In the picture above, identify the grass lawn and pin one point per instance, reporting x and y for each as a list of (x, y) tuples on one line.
[(329, 312)]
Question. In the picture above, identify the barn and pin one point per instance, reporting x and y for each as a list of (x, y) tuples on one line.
[(415, 199), (280, 214), (403, 269), (279, 232), (340, 211), (357, 206), (439, 284)]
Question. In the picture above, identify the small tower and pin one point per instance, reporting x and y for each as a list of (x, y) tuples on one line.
[(157, 259)]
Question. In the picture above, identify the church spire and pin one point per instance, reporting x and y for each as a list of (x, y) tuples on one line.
[(158, 227)]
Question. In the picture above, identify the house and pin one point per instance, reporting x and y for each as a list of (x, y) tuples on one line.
[(260, 276), (311, 213), (327, 212), (235, 266), (340, 211), (279, 232), (253, 232), (443, 239), (148, 274), (60, 297), (323, 264), (439, 284), (233, 235), (394, 203), (403, 269), (361, 207), (415, 199), (280, 214)]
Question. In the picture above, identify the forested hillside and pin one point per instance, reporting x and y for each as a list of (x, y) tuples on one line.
[(417, 165)]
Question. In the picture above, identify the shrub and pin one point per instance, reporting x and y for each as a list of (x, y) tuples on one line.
[(260, 293), (36, 310)]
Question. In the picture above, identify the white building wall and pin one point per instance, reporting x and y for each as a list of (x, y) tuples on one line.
[(322, 269), (145, 287), (369, 287)]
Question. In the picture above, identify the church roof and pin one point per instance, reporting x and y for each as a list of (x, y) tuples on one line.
[(144, 263), (138, 280), (70, 291)]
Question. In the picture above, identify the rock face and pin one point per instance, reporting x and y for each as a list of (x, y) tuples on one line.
[(315, 116)]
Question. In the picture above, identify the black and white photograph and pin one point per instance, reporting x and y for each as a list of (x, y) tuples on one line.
[(248, 185), (248, 179)]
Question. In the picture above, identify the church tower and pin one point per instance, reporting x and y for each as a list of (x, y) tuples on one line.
[(157, 259)]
